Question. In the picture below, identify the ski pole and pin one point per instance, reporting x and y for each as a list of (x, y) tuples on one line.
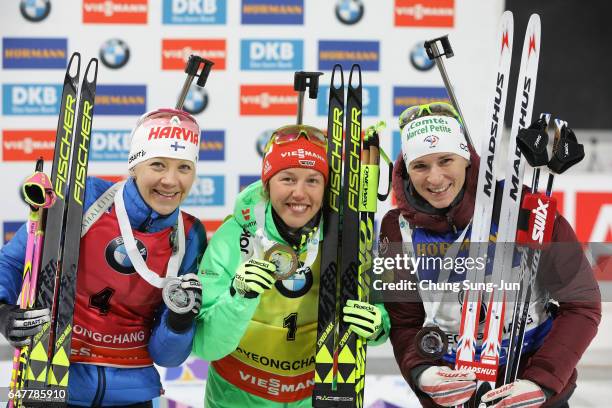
[(301, 81), (38, 194), (566, 152), (191, 69), (433, 52)]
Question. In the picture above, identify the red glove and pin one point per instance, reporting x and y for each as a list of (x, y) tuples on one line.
[(447, 387), (521, 393)]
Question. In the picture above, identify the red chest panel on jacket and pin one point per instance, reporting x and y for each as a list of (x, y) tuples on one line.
[(115, 308)]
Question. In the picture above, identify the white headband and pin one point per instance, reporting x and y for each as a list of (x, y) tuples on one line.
[(433, 134)]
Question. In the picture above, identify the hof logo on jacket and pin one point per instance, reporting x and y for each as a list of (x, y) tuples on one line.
[(117, 257)]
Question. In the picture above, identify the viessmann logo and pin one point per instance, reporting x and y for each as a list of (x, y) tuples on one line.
[(175, 52), (27, 145), (424, 13), (267, 100), (115, 11), (36, 53)]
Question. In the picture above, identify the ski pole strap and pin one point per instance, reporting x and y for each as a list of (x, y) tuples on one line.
[(533, 142), (134, 254), (566, 149)]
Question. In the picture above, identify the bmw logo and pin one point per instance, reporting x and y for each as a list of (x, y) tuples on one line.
[(262, 141), (419, 58), (35, 10), (296, 285), (349, 11), (196, 100), (114, 53), (117, 257)]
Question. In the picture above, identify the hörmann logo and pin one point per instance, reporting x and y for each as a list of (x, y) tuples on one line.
[(121, 99), (355, 131), (406, 96), (267, 100), (493, 135), (272, 12), (36, 53), (65, 144), (336, 160), (176, 52), (424, 13), (115, 11), (366, 53), (194, 12)]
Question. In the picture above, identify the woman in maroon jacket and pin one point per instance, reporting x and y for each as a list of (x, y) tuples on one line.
[(434, 182)]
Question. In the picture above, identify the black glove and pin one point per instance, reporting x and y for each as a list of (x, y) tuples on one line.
[(178, 295), (18, 325)]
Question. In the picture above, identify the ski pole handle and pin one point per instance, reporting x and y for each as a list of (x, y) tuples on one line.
[(303, 80), (191, 69), (433, 52)]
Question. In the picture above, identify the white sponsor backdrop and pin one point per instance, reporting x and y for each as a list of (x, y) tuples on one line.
[(473, 38)]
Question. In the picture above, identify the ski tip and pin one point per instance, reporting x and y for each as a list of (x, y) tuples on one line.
[(94, 72)]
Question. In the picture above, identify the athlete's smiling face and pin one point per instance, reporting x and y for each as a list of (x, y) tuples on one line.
[(438, 177), (164, 183), (296, 195)]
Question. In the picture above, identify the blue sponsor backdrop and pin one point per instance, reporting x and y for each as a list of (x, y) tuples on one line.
[(212, 145), (346, 53), (121, 100), (36, 53), (207, 191), (406, 96), (271, 54), (109, 145), (192, 12), (9, 228), (31, 99), (245, 180)]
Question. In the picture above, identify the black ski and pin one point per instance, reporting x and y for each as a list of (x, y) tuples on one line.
[(49, 359), (326, 325), (349, 256), (39, 356)]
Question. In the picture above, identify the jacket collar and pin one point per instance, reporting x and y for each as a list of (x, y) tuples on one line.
[(142, 217)]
